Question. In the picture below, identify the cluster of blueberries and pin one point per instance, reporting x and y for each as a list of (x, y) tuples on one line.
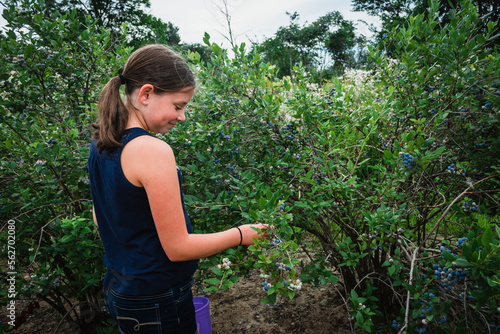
[(327, 97), (467, 207), (495, 328), (282, 266), (396, 325), (409, 161), (230, 168), (51, 142), (275, 242), (442, 319), (444, 121), (234, 151), (224, 182), (235, 100), (449, 277), (461, 241), (420, 330), (455, 170), (291, 135), (483, 144), (429, 309), (223, 135)]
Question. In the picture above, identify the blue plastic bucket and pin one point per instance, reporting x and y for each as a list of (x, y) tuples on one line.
[(202, 310)]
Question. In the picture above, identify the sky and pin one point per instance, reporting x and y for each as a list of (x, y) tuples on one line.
[(251, 20)]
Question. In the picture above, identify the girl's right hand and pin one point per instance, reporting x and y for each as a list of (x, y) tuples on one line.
[(248, 233)]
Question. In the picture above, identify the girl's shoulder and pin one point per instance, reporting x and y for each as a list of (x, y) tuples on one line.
[(148, 146), (144, 157)]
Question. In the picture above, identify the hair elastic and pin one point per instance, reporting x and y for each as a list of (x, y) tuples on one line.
[(241, 236), (122, 78)]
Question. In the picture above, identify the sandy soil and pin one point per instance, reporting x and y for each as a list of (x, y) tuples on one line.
[(236, 310)]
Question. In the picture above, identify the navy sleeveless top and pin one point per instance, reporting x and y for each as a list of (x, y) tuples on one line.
[(134, 257)]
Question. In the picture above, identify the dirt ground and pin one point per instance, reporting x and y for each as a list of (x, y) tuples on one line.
[(238, 310), (311, 311)]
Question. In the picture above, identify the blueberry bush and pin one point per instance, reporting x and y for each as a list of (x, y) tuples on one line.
[(382, 184), (371, 186), (51, 74)]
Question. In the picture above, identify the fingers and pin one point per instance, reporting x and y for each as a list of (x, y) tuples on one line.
[(249, 233)]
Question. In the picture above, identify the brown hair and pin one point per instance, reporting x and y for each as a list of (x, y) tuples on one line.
[(152, 64)]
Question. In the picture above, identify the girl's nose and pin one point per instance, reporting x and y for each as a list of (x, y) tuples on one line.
[(181, 117)]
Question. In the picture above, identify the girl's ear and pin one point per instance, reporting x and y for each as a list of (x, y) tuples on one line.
[(145, 93)]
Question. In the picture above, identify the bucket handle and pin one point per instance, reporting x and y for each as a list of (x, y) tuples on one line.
[(201, 288)]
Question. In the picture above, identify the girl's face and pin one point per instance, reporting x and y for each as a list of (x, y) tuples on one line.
[(162, 111)]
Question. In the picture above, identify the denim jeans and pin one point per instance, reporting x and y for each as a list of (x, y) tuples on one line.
[(169, 312)]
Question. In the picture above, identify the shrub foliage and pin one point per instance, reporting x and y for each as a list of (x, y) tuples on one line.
[(382, 184)]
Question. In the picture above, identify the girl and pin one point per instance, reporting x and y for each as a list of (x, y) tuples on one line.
[(151, 252)]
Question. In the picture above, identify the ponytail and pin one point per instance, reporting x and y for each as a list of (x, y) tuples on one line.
[(113, 116), (153, 64)]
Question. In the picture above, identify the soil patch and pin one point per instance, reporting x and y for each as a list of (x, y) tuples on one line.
[(237, 310)]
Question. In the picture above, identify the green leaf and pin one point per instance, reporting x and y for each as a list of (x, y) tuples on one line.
[(487, 237), (226, 284), (333, 279), (212, 288), (38, 18), (213, 281), (359, 317), (391, 270), (216, 271), (200, 157), (462, 262), (206, 38), (66, 238), (388, 154), (350, 165), (265, 301), (409, 287), (448, 256)]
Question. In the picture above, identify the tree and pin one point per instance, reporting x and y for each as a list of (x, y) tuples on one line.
[(153, 30), (294, 44), (108, 14), (143, 28), (394, 13)]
